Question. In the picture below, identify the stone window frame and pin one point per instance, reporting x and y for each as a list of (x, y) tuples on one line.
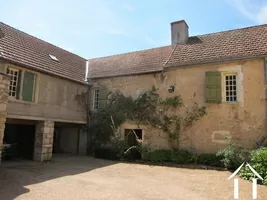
[(36, 84), (224, 85)]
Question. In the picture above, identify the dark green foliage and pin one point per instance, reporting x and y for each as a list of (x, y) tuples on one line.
[(258, 162), (106, 153), (173, 101), (164, 155), (233, 156), (147, 108), (209, 159), (181, 157), (159, 156)]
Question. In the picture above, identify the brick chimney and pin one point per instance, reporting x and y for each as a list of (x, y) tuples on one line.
[(179, 32)]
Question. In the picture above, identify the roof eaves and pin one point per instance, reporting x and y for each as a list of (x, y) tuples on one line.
[(44, 71), (215, 61), (126, 74)]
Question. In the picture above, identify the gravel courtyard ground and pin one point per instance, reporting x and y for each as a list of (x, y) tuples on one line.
[(74, 177)]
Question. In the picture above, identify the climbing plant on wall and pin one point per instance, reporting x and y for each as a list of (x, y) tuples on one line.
[(148, 108)]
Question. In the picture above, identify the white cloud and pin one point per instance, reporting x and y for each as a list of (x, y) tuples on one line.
[(253, 10)]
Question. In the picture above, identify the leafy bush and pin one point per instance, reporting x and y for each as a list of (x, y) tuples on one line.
[(209, 159), (233, 156), (161, 155), (164, 155), (259, 163), (106, 153), (181, 156)]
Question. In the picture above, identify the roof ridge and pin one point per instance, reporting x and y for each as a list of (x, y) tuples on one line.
[(101, 57), (130, 52), (41, 40), (231, 30)]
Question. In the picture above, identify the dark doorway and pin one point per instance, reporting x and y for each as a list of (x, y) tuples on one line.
[(131, 136), (19, 141)]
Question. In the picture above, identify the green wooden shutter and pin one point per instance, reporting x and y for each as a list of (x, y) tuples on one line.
[(28, 86), (102, 102), (213, 87), (18, 85)]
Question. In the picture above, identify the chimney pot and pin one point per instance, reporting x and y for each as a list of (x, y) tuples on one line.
[(179, 32)]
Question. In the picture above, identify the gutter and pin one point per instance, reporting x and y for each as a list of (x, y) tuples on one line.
[(88, 111), (214, 61), (41, 71)]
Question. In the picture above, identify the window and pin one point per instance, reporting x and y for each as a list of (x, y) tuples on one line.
[(96, 99), (22, 84), (230, 87), (53, 57), (221, 87), (14, 80)]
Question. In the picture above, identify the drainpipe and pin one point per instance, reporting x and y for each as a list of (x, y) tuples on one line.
[(89, 85), (263, 138)]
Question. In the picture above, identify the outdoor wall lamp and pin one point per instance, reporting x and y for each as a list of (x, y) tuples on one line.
[(171, 89)]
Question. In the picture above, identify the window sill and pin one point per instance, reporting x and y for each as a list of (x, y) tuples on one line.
[(21, 101), (231, 103)]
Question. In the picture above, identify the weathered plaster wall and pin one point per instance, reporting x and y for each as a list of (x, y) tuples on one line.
[(4, 82), (244, 122), (55, 101)]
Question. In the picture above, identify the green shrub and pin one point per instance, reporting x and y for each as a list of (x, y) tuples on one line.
[(209, 159), (259, 163), (164, 155), (106, 153), (161, 155), (233, 156), (181, 157)]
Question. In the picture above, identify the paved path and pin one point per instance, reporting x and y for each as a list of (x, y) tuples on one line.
[(84, 178)]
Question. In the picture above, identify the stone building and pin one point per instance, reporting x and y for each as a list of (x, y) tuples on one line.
[(38, 85), (224, 71)]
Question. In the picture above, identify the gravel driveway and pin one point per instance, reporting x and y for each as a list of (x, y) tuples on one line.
[(74, 177)]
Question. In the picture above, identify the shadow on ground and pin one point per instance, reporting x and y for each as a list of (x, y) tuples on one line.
[(15, 175)]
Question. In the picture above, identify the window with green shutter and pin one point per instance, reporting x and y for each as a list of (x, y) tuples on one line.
[(102, 102), (213, 89), (28, 86)]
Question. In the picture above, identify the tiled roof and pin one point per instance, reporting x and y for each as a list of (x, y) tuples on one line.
[(226, 45), (32, 52), (138, 62), (215, 47)]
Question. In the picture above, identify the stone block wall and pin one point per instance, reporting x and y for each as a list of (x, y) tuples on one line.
[(4, 83), (43, 146)]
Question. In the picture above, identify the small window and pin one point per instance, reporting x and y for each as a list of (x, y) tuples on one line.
[(53, 57), (230, 87), (14, 81), (96, 99)]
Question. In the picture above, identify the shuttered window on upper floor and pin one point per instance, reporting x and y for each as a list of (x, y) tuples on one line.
[(22, 84), (221, 87)]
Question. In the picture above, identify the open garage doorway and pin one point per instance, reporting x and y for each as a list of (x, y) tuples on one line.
[(69, 138), (19, 139)]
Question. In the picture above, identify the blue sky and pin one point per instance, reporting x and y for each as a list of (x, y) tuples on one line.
[(95, 28)]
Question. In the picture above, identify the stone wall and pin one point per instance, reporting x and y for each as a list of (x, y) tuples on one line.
[(4, 82), (43, 147), (54, 100), (243, 121)]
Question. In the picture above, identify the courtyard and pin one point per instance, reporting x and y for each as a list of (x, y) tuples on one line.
[(69, 177)]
